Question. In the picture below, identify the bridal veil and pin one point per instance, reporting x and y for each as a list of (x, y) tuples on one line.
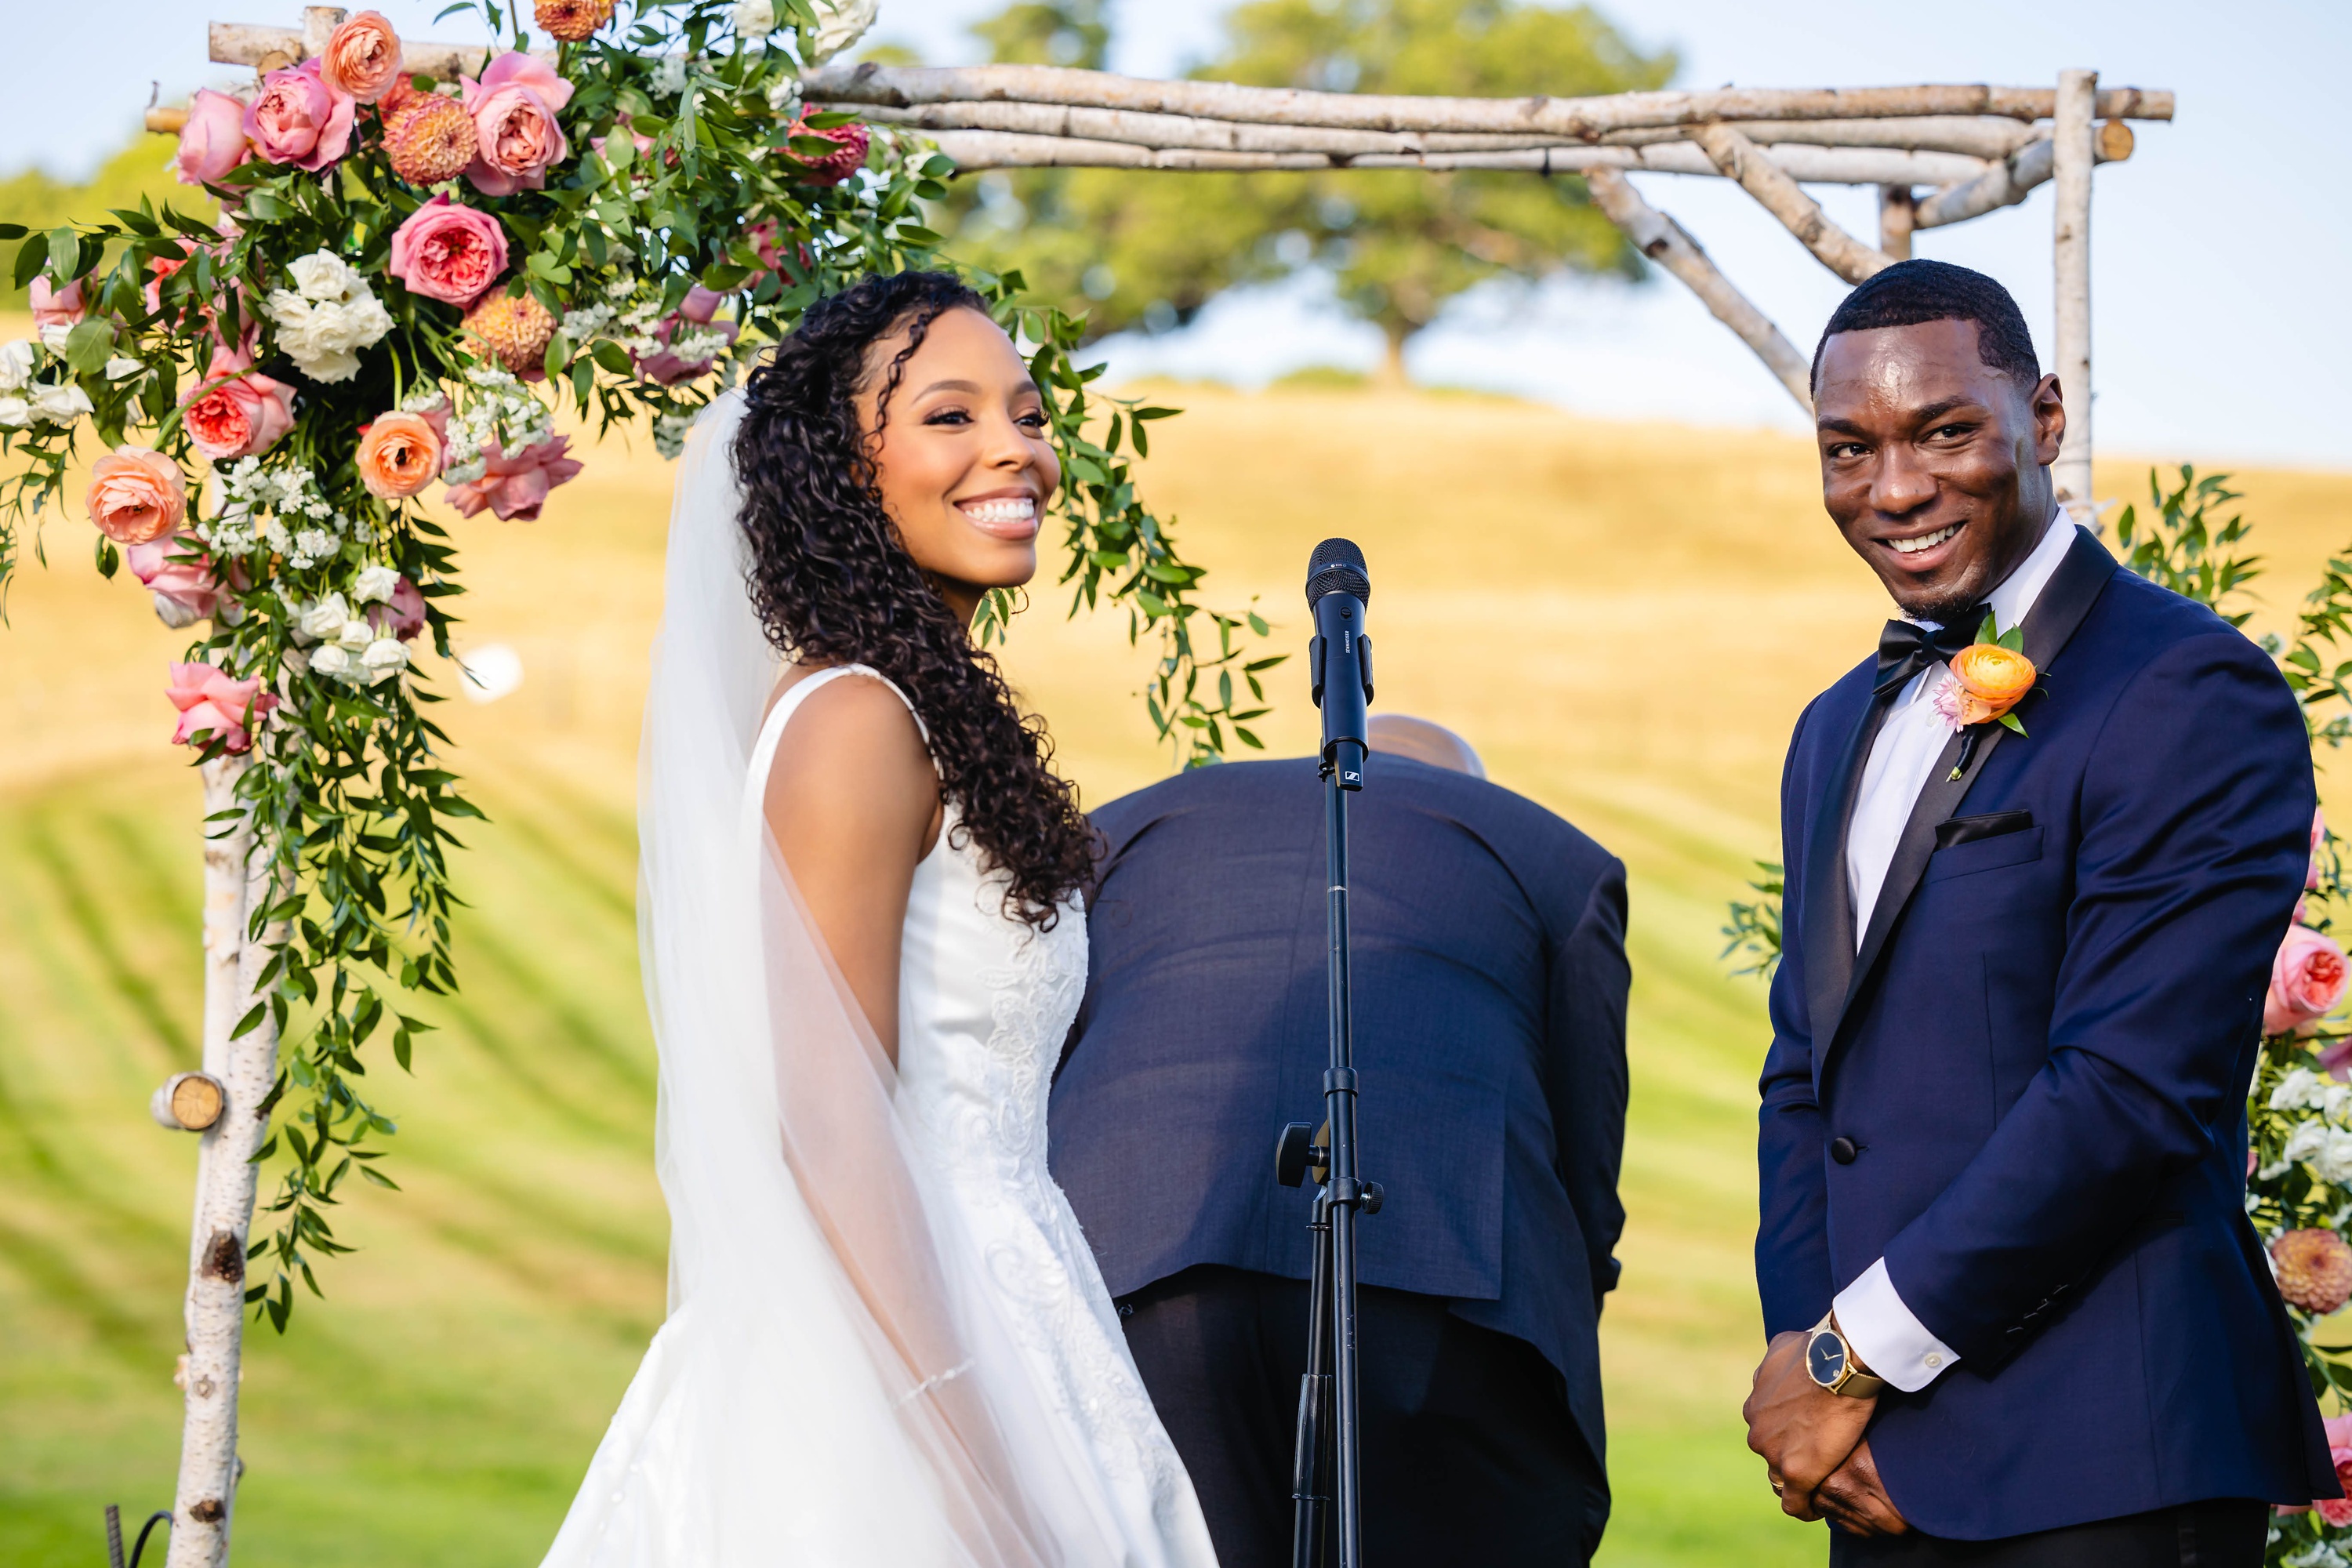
[(830, 1385)]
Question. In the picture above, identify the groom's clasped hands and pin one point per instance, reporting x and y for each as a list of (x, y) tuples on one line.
[(1812, 1443)]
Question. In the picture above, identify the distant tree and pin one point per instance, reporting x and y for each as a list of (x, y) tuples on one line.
[(1150, 249), (141, 169)]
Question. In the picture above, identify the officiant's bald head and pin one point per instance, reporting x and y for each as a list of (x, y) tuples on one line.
[(1401, 735)]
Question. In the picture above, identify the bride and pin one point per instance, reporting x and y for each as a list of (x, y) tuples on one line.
[(863, 942)]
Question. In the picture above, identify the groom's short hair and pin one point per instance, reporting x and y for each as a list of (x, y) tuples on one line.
[(1911, 292)]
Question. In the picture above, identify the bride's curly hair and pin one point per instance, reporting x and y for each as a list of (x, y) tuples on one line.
[(834, 583)]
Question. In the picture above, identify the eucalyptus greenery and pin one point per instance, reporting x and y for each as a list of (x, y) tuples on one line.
[(692, 163)]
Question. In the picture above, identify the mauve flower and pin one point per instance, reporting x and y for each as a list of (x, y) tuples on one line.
[(516, 487), (297, 118), (179, 575), (2308, 979), (400, 616), (235, 411), (136, 494), (514, 105), (362, 57), (449, 252), (210, 699), (213, 141), (55, 306), (666, 368)]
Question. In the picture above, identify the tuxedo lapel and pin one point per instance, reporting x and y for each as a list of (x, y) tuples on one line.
[(1829, 902), (2064, 601)]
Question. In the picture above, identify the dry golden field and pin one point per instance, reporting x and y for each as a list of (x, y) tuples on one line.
[(1625, 620)]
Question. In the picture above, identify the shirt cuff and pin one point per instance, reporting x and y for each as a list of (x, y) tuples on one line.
[(1890, 1341)]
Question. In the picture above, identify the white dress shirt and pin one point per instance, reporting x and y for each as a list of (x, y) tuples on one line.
[(1888, 1338)]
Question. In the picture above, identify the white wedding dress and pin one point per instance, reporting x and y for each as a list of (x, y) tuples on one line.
[(889, 1344)]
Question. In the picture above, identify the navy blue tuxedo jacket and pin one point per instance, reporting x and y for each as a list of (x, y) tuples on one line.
[(2040, 1057), (1490, 984)]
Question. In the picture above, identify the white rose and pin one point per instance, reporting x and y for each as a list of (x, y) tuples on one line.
[(322, 275), (839, 24), (755, 18), (286, 307), (15, 414), (356, 633), (16, 364), (375, 585), (53, 335), (323, 622), (329, 367), (2293, 1091), (2336, 1164), (61, 405), (366, 319), (384, 658), (122, 367), (2307, 1142), (330, 661)]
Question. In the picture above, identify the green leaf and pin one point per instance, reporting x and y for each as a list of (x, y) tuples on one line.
[(2014, 639), (2012, 721), (30, 259), (65, 252), (613, 357), (1988, 632), (90, 344), (250, 1022)]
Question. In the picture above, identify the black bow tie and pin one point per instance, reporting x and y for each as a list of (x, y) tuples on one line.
[(1905, 647)]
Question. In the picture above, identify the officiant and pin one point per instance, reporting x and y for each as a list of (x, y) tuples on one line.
[(1490, 988)]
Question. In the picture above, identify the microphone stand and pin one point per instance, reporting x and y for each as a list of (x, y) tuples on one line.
[(1330, 1434)]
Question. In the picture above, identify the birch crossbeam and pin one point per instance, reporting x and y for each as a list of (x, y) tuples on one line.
[(1583, 119), (975, 150)]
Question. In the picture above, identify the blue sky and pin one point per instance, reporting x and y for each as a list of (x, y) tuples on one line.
[(2222, 328)]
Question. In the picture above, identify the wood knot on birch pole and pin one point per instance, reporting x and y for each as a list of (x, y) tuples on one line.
[(225, 1257), (212, 1511)]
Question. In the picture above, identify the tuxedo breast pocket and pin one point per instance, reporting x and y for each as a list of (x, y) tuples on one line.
[(1972, 851)]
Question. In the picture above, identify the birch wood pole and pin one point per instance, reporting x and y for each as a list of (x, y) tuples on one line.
[(1743, 161), (2072, 145), (1583, 119), (1665, 242), (1898, 206), (234, 885), (2011, 180)]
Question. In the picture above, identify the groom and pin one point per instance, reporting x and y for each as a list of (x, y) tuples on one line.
[(2016, 1315)]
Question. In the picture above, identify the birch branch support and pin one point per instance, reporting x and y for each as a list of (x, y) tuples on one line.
[(270, 49), (2012, 179), (975, 150), (1665, 242), (226, 1179), (1777, 193), (1584, 119), (1898, 207), (2075, 146)]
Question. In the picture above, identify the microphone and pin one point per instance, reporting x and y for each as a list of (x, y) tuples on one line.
[(1340, 659)]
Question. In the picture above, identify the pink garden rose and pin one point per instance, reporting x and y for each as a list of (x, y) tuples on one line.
[(179, 575), (210, 699), (56, 306), (514, 106), (213, 141), (2308, 979), (516, 487), (362, 58), (449, 252), (235, 411), (403, 617), (2338, 1511), (297, 118)]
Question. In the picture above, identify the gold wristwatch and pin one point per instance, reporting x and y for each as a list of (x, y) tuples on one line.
[(1833, 1365)]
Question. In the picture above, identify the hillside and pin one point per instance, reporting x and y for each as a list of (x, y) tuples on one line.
[(1624, 618)]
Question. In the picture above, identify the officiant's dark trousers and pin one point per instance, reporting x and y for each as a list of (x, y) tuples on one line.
[(2227, 1533), (1470, 1453)]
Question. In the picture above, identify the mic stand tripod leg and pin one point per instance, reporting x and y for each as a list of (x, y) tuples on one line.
[(1310, 1456)]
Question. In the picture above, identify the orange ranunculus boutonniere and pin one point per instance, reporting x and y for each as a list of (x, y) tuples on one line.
[(1989, 677)]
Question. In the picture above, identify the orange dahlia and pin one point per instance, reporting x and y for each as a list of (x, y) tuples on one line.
[(515, 330), (2315, 1270), (572, 20), (431, 139)]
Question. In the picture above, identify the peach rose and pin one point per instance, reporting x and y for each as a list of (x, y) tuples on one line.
[(1993, 679), (516, 487), (448, 252), (400, 454), (179, 575), (2308, 979), (514, 106), (297, 118), (55, 306), (235, 411), (136, 494), (362, 57), (213, 141), (214, 703)]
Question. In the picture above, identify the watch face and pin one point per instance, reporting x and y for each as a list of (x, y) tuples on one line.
[(1825, 1358)]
